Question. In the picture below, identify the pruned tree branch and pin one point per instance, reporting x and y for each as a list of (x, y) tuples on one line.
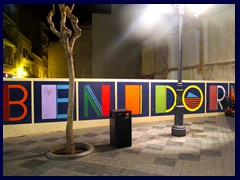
[(49, 19), (66, 12), (65, 32), (76, 29), (72, 8)]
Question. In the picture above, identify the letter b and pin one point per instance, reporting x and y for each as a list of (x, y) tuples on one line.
[(7, 103)]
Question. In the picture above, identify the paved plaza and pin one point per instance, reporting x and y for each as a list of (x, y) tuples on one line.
[(208, 149)]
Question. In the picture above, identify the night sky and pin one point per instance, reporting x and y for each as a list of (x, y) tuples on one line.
[(82, 11)]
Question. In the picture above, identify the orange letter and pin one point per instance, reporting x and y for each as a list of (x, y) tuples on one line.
[(20, 102)]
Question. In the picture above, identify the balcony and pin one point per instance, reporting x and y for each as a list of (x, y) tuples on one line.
[(9, 39)]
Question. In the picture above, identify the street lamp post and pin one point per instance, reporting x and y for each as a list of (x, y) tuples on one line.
[(152, 13), (178, 129)]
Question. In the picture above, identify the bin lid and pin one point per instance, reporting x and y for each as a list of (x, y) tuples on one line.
[(120, 110)]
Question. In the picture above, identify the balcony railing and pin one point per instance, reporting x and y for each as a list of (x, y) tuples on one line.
[(10, 37)]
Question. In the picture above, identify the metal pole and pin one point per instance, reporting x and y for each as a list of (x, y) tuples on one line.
[(178, 129), (180, 43)]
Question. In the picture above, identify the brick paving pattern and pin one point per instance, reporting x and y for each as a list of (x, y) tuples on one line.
[(208, 149)]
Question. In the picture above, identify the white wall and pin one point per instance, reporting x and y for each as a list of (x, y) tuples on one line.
[(14, 130)]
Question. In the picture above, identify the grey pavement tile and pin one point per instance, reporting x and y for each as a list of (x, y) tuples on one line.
[(187, 124), (199, 136), (134, 139), (157, 127), (74, 136), (50, 139), (198, 122), (104, 148), (211, 153), (174, 143), (132, 150), (164, 134), (194, 140), (154, 146), (192, 131), (6, 144), (90, 135), (165, 161), (12, 153), (33, 163), (231, 123), (106, 133), (210, 122), (210, 129), (142, 129), (39, 150), (112, 154), (189, 157), (213, 138), (28, 142), (147, 137), (105, 141)]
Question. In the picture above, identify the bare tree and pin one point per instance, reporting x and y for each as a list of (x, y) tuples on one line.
[(67, 39)]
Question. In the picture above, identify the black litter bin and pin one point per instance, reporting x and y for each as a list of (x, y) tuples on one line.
[(121, 128)]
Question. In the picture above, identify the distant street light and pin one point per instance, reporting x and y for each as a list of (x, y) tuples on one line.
[(152, 13), (21, 73)]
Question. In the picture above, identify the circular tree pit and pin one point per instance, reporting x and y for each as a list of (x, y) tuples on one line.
[(59, 152)]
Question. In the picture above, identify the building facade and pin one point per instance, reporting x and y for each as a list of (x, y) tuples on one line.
[(18, 58), (57, 65), (119, 45), (10, 35), (82, 55), (208, 49)]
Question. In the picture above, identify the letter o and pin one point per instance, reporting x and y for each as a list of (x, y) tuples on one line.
[(201, 95)]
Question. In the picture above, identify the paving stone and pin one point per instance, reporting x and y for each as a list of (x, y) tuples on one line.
[(132, 151), (90, 135), (28, 142), (33, 163), (154, 146), (12, 153), (50, 139), (210, 122), (106, 133), (39, 150), (207, 149), (198, 122), (174, 143), (211, 153), (189, 157), (165, 161)]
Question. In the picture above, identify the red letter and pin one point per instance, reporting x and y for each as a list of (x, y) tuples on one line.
[(213, 98), (20, 102), (105, 100)]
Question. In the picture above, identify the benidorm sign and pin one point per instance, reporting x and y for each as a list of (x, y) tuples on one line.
[(46, 101)]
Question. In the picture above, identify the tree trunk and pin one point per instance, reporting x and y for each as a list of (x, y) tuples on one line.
[(71, 92), (65, 34)]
